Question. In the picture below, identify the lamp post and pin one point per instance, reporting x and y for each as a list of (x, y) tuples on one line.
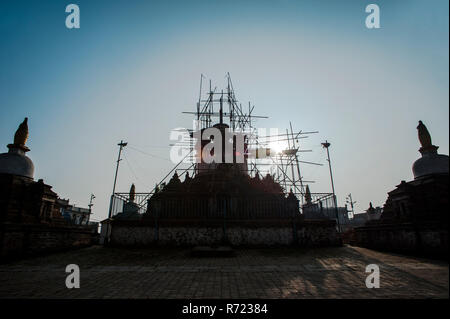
[(90, 202), (121, 145), (90, 207), (326, 145), (350, 201)]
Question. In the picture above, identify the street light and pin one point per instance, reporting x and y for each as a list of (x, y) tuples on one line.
[(121, 145), (90, 208), (90, 202), (350, 201), (327, 145)]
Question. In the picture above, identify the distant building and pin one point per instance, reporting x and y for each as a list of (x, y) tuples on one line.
[(74, 215), (374, 213), (371, 214), (359, 219)]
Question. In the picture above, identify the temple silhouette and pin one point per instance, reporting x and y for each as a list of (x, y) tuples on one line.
[(223, 196), (31, 221), (415, 215)]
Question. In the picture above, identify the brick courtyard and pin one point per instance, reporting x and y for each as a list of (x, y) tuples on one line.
[(252, 273)]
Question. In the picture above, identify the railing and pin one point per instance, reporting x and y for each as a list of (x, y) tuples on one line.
[(321, 205), (206, 206), (326, 199), (119, 202)]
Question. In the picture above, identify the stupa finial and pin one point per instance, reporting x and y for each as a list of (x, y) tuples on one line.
[(308, 197), (21, 136), (424, 136), (132, 193)]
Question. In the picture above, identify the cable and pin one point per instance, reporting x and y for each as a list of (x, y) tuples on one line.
[(148, 154), (134, 174), (131, 169)]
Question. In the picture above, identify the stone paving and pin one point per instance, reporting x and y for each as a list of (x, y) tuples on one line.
[(252, 273)]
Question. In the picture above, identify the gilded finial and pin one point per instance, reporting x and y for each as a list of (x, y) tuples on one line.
[(425, 140), (424, 135), (21, 136)]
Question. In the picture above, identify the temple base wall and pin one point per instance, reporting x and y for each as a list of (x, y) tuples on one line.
[(426, 239), (18, 240), (249, 233)]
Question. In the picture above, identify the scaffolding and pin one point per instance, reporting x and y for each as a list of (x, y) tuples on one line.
[(284, 165)]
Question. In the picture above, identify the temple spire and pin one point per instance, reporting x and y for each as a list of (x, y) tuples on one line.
[(132, 192), (308, 197)]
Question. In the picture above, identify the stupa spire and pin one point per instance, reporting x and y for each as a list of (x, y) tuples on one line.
[(308, 197), (132, 192), (425, 139), (20, 137)]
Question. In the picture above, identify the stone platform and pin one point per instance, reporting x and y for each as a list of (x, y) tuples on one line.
[(337, 272), (209, 251), (214, 232)]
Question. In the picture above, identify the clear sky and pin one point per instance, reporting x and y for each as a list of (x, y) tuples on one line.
[(134, 66)]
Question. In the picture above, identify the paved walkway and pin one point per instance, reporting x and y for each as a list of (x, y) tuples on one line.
[(252, 273)]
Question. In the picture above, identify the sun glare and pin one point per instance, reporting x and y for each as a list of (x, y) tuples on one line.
[(277, 147)]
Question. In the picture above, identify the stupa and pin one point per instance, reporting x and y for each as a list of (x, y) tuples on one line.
[(431, 163), (15, 162), (415, 215)]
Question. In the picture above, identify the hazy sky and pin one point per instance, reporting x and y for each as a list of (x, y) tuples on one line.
[(134, 66)]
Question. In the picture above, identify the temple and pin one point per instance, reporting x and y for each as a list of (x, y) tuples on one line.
[(31, 219), (415, 214), (222, 198)]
